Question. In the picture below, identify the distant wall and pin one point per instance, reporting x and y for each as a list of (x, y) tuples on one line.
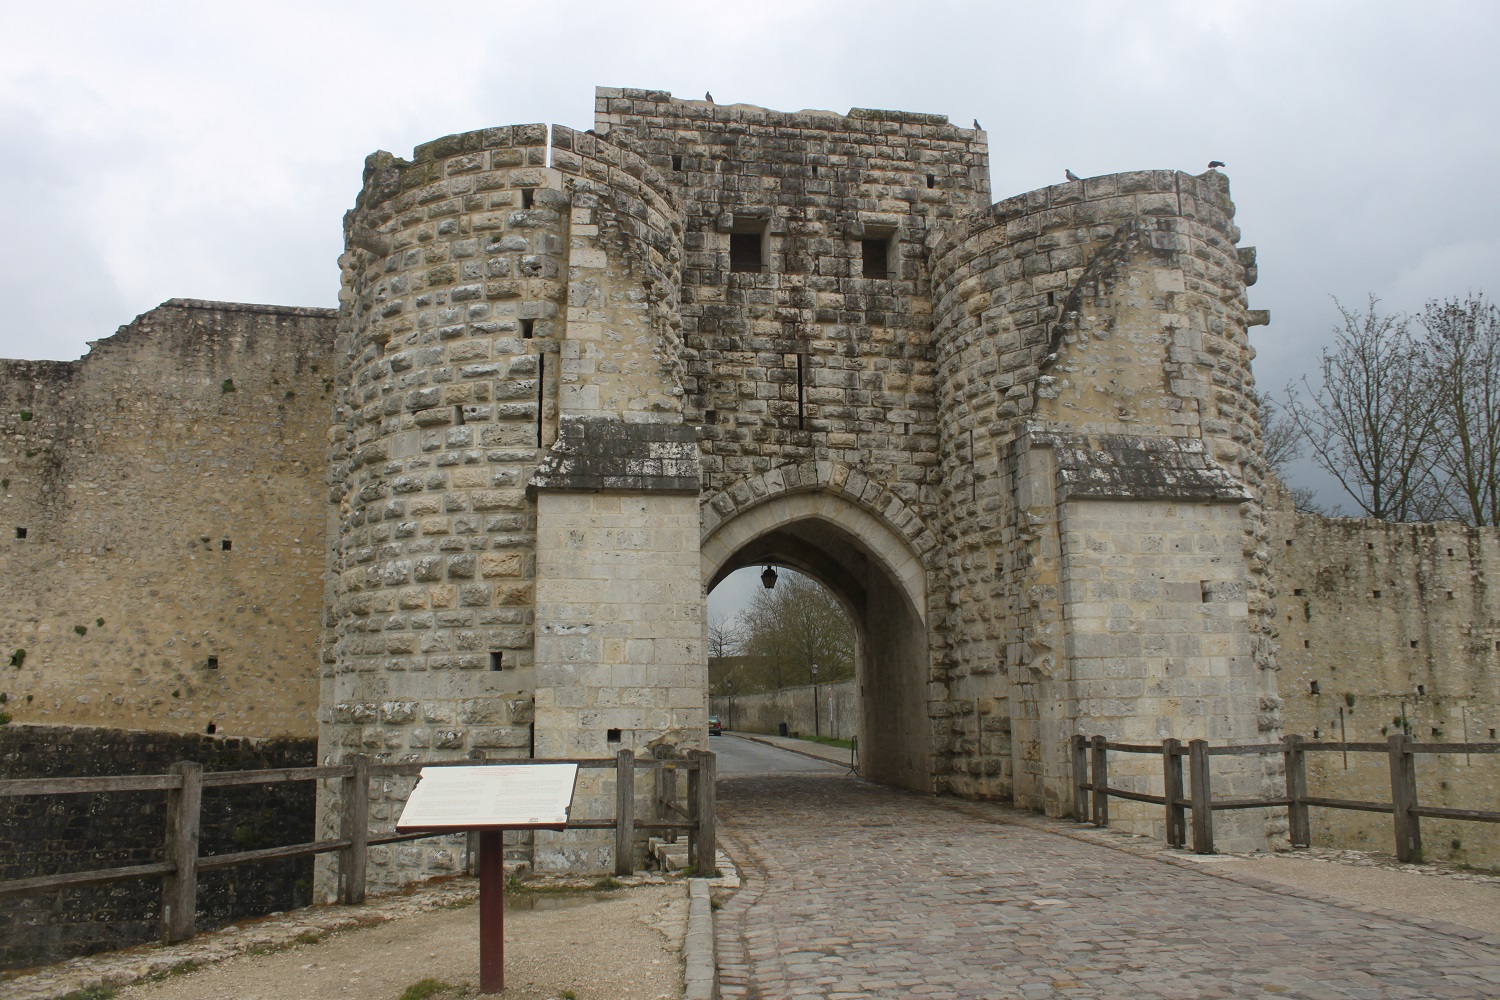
[(46, 835), (838, 710), (170, 489), (1386, 626)]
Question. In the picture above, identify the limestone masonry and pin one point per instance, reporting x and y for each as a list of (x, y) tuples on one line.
[(577, 378)]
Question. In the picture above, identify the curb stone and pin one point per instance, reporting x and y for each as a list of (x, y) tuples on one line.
[(698, 947)]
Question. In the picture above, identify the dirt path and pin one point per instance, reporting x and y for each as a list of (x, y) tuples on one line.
[(625, 945)]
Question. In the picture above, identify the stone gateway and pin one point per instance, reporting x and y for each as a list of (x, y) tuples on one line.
[(577, 378)]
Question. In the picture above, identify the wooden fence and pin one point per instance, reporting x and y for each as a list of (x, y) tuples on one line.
[(184, 788), (1091, 778)]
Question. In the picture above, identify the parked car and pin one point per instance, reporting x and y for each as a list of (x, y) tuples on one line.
[(714, 728)]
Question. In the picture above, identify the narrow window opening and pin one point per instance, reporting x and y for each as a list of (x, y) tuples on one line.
[(875, 255), (528, 329), (1052, 298), (1436, 731), (213, 663), (1369, 545), (1313, 688), (210, 729), (1289, 541), (1317, 734), (931, 181), (541, 385), (496, 661), (1414, 646), (1297, 592), (225, 545), (1450, 552), (1306, 644), (747, 251), (1450, 595), (676, 162), (20, 532), (1492, 732), (1374, 593), (612, 735), (528, 197), (458, 415), (801, 397), (815, 169)]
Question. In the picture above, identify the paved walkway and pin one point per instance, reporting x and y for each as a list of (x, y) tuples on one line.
[(859, 891)]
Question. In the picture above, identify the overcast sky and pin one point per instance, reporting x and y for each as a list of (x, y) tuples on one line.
[(154, 150)]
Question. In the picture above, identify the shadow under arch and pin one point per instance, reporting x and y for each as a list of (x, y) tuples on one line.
[(881, 582)]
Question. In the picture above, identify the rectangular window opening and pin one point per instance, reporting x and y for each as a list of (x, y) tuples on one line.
[(1313, 688), (528, 197), (676, 162), (1414, 646), (458, 415), (1297, 592), (815, 170), (875, 256), (210, 729), (528, 329), (931, 181), (21, 533), (1052, 298), (1421, 688), (213, 663), (496, 661), (1450, 552), (1492, 732), (612, 735), (1306, 644), (747, 246), (801, 396), (225, 545), (1374, 593)]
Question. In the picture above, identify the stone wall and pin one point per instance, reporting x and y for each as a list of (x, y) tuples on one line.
[(45, 835), (1386, 628), (167, 487), (767, 711)]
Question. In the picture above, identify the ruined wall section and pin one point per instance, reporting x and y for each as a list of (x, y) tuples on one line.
[(167, 485), (803, 357), (1091, 344), (1388, 627)]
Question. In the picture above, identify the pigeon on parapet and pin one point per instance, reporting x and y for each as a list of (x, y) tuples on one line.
[(1212, 164), (978, 127), (708, 97), (1071, 176)]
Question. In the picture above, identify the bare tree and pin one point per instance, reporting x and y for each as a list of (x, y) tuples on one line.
[(1373, 424), (1463, 359), (725, 637), (1280, 437), (798, 623)]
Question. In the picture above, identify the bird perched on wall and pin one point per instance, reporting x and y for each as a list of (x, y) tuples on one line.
[(978, 127), (708, 97), (1213, 164), (1071, 176)]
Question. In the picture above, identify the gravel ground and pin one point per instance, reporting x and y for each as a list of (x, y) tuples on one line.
[(1472, 901), (621, 945)]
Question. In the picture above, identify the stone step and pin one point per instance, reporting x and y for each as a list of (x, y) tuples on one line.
[(669, 857)]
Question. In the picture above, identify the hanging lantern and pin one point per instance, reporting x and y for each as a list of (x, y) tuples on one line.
[(768, 578)]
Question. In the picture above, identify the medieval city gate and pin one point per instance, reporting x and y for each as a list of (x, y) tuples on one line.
[(871, 566)]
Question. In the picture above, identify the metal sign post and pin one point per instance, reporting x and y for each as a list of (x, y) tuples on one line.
[(490, 799)]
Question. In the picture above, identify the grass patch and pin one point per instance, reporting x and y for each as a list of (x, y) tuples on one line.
[(425, 988), (92, 993), (608, 884), (828, 741)]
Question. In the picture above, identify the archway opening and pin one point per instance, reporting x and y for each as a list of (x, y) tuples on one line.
[(871, 574)]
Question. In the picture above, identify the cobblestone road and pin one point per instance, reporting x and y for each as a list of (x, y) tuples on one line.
[(859, 891)]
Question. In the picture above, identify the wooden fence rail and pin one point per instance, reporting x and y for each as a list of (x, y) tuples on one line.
[(1091, 779), (184, 787)]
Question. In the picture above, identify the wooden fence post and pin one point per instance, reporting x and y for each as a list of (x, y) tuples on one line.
[(356, 829), (1404, 798), (692, 806), (179, 890), (624, 812), (666, 784), (707, 803), (1299, 826), (1171, 770), (1202, 797), (1100, 782), (1080, 778)]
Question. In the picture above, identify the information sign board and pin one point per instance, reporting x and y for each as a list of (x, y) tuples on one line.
[(508, 796)]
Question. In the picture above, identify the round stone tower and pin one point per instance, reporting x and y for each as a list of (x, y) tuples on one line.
[(504, 298), (1101, 474)]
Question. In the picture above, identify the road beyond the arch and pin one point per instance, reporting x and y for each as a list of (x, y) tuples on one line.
[(854, 890)]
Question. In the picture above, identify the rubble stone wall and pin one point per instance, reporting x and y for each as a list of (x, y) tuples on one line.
[(167, 486)]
